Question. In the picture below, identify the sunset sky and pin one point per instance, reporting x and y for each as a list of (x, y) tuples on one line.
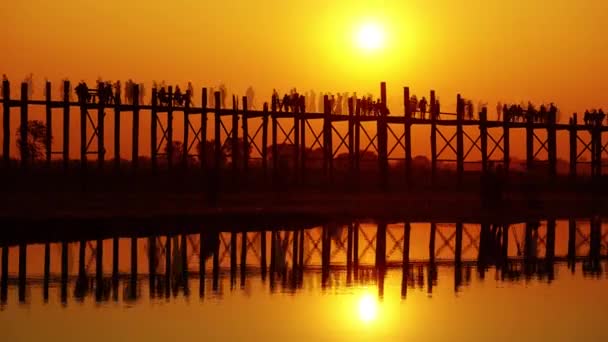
[(488, 51)]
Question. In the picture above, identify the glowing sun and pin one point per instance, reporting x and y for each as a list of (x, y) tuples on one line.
[(370, 37)]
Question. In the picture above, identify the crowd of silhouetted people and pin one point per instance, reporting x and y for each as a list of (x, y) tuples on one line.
[(594, 117), (517, 113), (174, 96), (108, 93)]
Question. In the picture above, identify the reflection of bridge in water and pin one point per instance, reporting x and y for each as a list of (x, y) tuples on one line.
[(352, 254)]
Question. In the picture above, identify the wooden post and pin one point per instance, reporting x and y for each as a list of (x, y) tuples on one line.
[(201, 257), (303, 149), (263, 253), (170, 151), (294, 254), (358, 142), (152, 262), (47, 271), (99, 269), (186, 144), (216, 262), (115, 255), (571, 240), (101, 149), (275, 147), (4, 276), (265, 142), (135, 131), (327, 141), (235, 137), (301, 257), (483, 133), (153, 130), (550, 244), (382, 127), (458, 249), (552, 145), (117, 104), (459, 138), (233, 238), (351, 139), (6, 122), (48, 123), (217, 135), (64, 272), (506, 143), (246, 144), (243, 266), (405, 262), (407, 130), (572, 135), (83, 133), (168, 273), (184, 261), (25, 156), (598, 149), (203, 151), (432, 243), (529, 142), (433, 140), (66, 124), (356, 248), (22, 270), (296, 141), (134, 267), (381, 246)]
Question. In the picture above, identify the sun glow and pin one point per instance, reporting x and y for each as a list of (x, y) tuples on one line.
[(368, 308), (370, 37)]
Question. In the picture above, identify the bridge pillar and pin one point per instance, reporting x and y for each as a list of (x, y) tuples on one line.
[(6, 122), (382, 132), (572, 135), (22, 270), (529, 142), (47, 271), (459, 138), (49, 123), (405, 271), (99, 270), (433, 140), (552, 145), (23, 131), (483, 134), (135, 128), (408, 136), (64, 272), (66, 124)]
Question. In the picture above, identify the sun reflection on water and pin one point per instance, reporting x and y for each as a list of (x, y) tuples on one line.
[(368, 308)]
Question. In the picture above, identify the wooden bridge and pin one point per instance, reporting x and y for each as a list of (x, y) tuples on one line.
[(274, 129), (360, 251)]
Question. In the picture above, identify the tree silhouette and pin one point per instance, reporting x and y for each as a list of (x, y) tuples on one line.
[(208, 147), (36, 140), (175, 150)]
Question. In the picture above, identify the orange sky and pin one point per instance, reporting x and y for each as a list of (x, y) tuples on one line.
[(487, 51)]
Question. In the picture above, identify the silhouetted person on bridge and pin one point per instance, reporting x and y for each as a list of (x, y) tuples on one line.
[(498, 110), (422, 105), (223, 94), (250, 94)]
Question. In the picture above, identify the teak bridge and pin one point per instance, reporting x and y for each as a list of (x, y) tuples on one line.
[(289, 128)]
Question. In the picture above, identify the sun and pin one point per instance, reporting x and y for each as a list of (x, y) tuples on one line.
[(368, 308), (370, 37)]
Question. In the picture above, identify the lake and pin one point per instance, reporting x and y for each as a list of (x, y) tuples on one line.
[(342, 281)]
